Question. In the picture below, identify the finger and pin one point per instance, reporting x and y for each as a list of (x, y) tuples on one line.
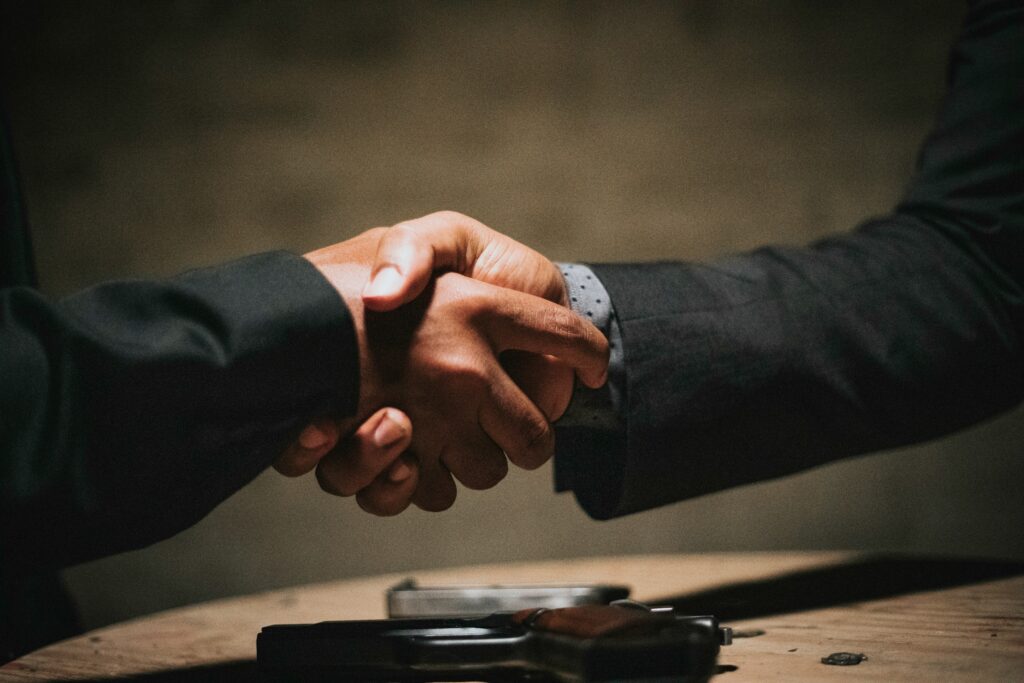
[(313, 442), (409, 253), (516, 424), (545, 380), (294, 462), (436, 490), (401, 469), (529, 323), (392, 491), (475, 460), (362, 457)]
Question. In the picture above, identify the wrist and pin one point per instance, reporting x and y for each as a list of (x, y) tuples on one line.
[(346, 278)]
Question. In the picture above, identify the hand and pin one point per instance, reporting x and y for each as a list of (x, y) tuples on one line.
[(437, 360), (411, 252), (370, 463), (407, 257)]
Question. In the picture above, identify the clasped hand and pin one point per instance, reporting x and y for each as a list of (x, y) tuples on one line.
[(465, 334)]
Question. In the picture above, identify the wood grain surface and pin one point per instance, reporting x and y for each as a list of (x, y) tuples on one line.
[(916, 620)]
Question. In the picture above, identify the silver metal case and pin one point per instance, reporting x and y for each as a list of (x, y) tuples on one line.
[(407, 599)]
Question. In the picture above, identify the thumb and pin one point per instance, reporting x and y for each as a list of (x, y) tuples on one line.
[(401, 270), (410, 252)]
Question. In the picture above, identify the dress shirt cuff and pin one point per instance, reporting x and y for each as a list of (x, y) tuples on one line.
[(595, 408)]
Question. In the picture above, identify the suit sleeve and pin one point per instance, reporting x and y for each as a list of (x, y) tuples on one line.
[(908, 328), (130, 410)]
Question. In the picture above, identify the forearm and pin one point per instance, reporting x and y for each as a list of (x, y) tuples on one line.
[(773, 362), (908, 328), (132, 409)]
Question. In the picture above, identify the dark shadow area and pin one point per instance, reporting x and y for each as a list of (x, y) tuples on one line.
[(871, 578), (227, 671)]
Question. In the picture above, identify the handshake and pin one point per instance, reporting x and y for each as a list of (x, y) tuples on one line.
[(463, 333)]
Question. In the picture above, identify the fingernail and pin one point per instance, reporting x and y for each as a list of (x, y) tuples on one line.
[(387, 433), (312, 438), (400, 471), (387, 282)]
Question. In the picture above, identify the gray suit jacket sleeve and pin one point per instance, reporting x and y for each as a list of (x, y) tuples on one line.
[(910, 327)]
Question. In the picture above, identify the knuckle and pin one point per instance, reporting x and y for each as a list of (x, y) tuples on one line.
[(485, 473), (563, 323), (464, 371), (539, 444), (374, 509), (381, 505), (497, 472), (331, 483), (403, 231), (449, 216), (288, 466), (436, 502), (325, 483)]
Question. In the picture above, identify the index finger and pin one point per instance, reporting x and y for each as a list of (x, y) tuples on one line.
[(529, 323)]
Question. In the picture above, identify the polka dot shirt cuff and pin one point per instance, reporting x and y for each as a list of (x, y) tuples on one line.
[(595, 408)]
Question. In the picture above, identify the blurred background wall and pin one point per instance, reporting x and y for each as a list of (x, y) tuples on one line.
[(155, 137)]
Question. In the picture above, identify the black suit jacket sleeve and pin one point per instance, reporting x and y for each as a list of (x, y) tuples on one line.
[(908, 328), (128, 411)]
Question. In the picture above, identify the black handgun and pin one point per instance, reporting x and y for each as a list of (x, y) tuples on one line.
[(625, 641)]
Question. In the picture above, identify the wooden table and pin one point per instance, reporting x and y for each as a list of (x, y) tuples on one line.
[(916, 620)]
